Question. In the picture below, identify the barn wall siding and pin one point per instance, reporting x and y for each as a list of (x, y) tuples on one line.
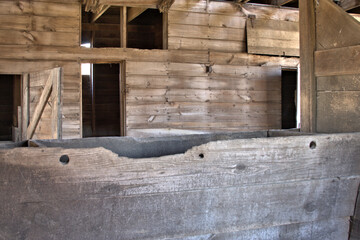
[(51, 24)]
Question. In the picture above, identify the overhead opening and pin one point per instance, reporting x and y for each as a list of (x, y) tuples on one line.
[(143, 28), (10, 107), (146, 30)]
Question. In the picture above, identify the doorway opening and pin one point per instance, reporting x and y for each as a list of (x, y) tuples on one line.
[(289, 98), (101, 101), (10, 107)]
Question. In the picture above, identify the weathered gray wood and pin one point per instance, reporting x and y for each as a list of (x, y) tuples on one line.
[(307, 72), (355, 221), (236, 185), (331, 229), (338, 111)]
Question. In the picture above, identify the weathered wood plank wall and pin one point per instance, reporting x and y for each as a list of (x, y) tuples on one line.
[(216, 26), (337, 71), (186, 96), (45, 23)]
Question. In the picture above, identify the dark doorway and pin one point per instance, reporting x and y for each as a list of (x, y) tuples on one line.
[(288, 98), (101, 101), (10, 101)]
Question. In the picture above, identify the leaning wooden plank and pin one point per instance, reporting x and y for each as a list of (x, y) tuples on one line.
[(40, 107), (327, 61), (25, 106)]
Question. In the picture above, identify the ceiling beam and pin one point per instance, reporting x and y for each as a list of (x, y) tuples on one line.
[(349, 4), (280, 2), (131, 3)]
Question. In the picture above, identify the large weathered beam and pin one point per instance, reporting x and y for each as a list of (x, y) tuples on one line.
[(307, 75), (214, 189)]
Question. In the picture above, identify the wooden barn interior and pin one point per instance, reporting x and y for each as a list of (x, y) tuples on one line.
[(180, 119)]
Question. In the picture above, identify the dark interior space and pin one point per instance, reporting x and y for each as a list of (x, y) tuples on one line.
[(145, 31), (105, 31), (288, 99), (101, 101), (9, 102)]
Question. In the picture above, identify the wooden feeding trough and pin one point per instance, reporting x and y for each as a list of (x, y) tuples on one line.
[(259, 185)]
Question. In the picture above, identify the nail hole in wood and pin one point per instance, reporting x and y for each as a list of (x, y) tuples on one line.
[(201, 155), (312, 145), (64, 159)]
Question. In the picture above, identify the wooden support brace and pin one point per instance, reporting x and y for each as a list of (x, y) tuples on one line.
[(40, 107)]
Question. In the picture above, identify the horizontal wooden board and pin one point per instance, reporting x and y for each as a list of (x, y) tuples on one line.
[(189, 108), (219, 83), (10, 37), (216, 33), (339, 83), (193, 95), (244, 59), (206, 44), (272, 37), (327, 61)]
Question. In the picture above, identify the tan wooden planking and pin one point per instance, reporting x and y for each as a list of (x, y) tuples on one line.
[(15, 7), (196, 108), (272, 12), (56, 9), (205, 44), (15, 22), (338, 111), (188, 18), (56, 24), (10, 37), (217, 33), (334, 27), (244, 59), (273, 37), (227, 21), (337, 61), (224, 83), (189, 6), (349, 4), (193, 95)]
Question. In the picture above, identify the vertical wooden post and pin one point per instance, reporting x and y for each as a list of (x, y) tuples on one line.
[(122, 85), (123, 27), (165, 30), (24, 106), (307, 72), (56, 101)]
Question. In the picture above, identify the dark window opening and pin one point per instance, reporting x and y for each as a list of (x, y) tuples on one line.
[(288, 99), (146, 30), (105, 31), (10, 101), (101, 101)]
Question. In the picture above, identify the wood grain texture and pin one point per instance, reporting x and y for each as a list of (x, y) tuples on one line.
[(238, 185), (334, 27), (271, 37), (327, 61)]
